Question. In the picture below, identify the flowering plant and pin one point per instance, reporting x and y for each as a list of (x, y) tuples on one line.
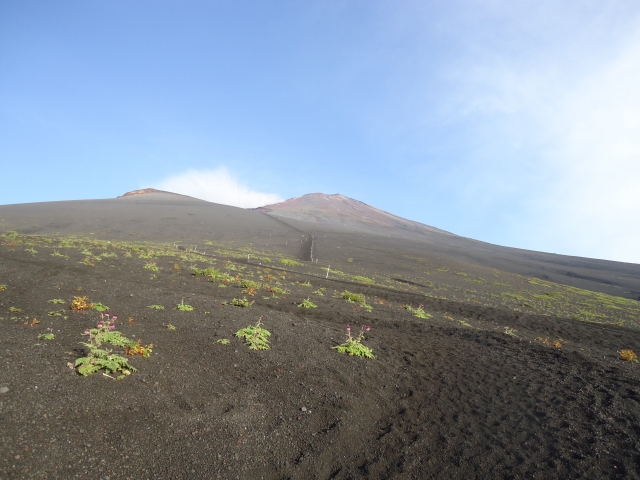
[(98, 358), (353, 346)]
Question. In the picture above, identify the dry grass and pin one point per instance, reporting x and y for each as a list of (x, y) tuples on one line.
[(81, 303), (628, 355)]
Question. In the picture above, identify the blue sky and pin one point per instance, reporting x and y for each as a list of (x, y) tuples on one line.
[(516, 123)]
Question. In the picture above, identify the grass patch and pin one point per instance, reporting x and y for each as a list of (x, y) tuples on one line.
[(291, 263), (358, 298), (151, 266), (417, 312)]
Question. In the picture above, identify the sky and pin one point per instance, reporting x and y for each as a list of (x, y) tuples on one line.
[(514, 123)]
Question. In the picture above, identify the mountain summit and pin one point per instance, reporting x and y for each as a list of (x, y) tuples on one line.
[(337, 209)]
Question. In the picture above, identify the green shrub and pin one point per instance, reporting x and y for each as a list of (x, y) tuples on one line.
[(241, 302), (256, 337), (307, 303)]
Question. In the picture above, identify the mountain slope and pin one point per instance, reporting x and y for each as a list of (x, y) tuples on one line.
[(346, 212)]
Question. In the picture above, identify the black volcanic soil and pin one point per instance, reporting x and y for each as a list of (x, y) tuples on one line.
[(440, 400), (451, 396)]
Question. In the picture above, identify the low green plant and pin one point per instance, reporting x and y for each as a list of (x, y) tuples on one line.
[(15, 310), (358, 298), (305, 284), (307, 303), (241, 302), (57, 301), (156, 307), (223, 341), (418, 312), (361, 279), (109, 255), (31, 250), (99, 307), (47, 336), (353, 346), (249, 284), (320, 291), (170, 327), (151, 266), (256, 337), (353, 297), (292, 263), (208, 272), (58, 254), (510, 331), (56, 313), (3, 288), (183, 307)]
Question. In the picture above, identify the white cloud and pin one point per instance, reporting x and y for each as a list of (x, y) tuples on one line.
[(578, 110), (217, 186), (595, 203)]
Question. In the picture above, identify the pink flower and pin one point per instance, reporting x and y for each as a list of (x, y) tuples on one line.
[(100, 324), (87, 332), (112, 326), (106, 314), (367, 328), (348, 328), (115, 317)]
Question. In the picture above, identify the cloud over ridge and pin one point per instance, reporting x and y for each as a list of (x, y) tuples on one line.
[(218, 186)]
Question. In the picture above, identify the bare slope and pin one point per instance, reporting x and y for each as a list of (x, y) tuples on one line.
[(344, 221), (327, 228)]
